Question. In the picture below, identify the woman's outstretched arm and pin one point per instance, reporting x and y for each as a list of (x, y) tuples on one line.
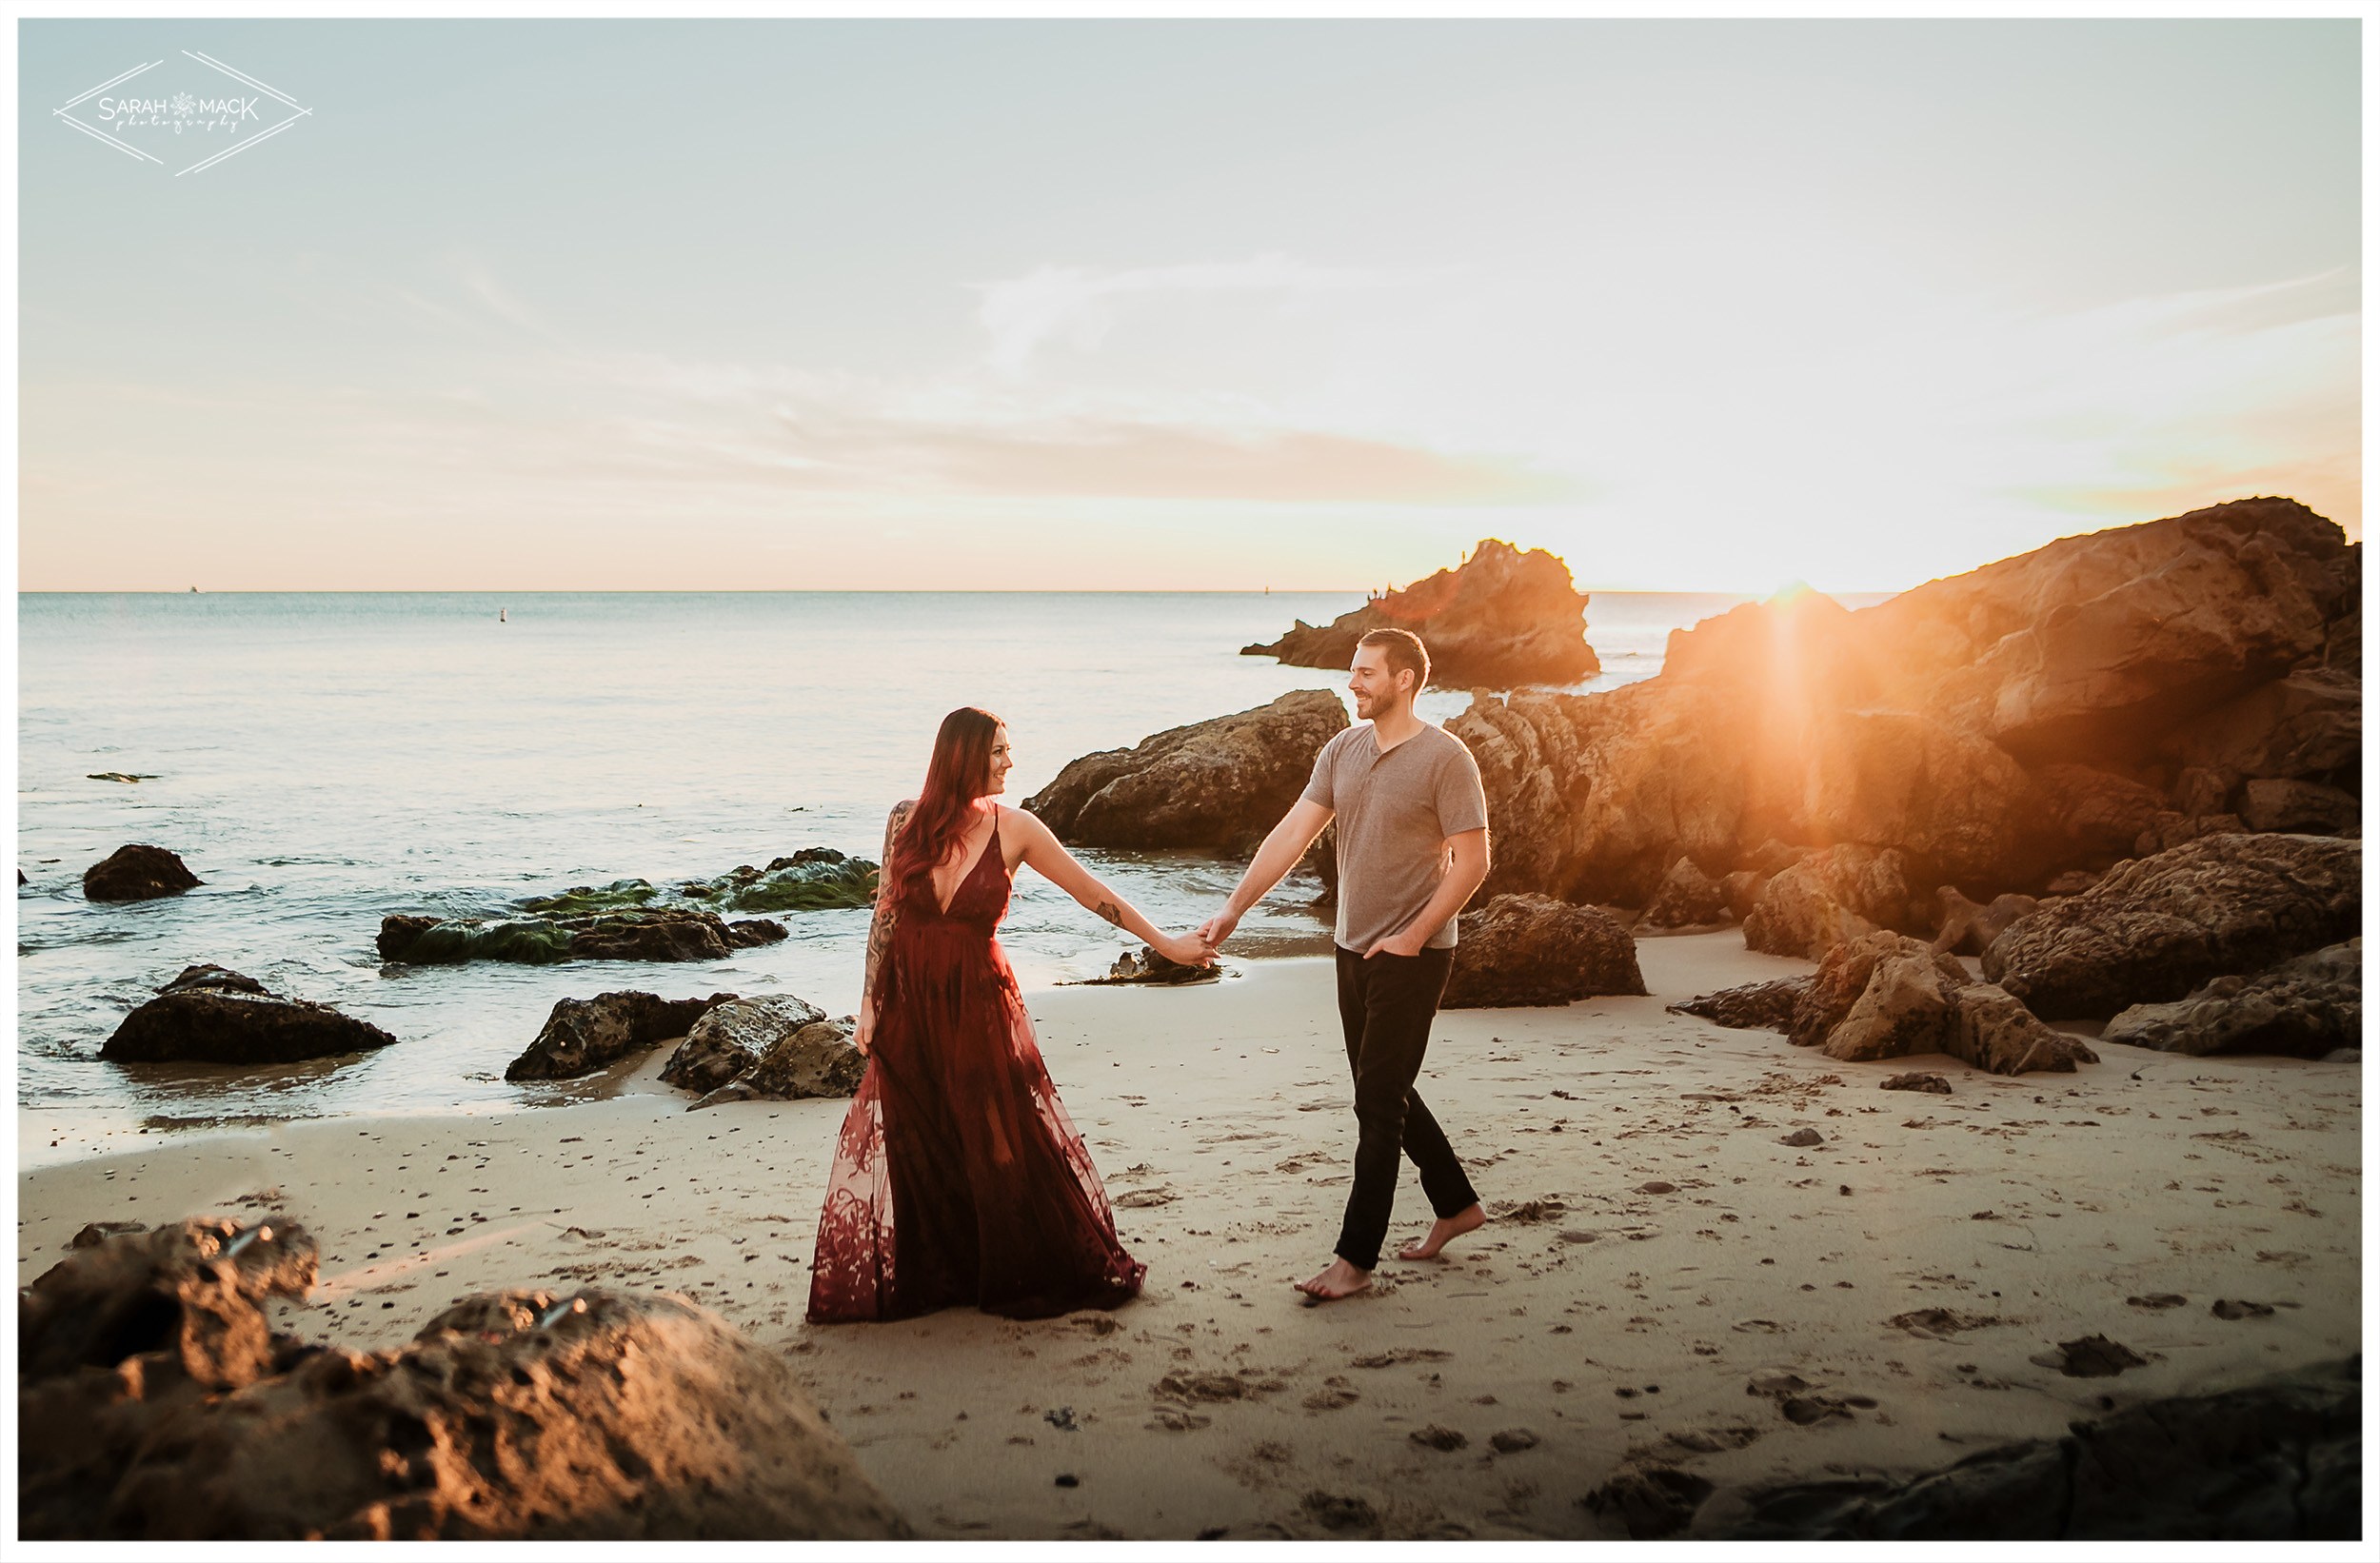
[(880, 929), (1056, 864)]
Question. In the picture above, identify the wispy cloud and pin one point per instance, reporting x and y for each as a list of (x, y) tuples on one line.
[(1078, 305)]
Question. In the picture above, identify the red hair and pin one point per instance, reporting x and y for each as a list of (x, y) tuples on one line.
[(960, 772)]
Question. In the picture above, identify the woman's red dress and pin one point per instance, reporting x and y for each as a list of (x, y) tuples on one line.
[(958, 1177)]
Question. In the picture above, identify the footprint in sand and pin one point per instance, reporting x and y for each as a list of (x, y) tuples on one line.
[(1334, 1395)]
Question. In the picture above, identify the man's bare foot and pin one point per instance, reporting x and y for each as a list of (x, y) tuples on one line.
[(1443, 1231), (1339, 1279)]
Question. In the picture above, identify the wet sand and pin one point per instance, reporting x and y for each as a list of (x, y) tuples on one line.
[(1653, 1251)]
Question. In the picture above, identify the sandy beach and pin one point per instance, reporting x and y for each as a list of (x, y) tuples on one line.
[(1654, 1249)]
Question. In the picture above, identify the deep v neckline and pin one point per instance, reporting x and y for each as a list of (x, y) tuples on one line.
[(942, 907)]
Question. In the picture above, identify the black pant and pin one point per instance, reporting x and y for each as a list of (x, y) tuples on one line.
[(1386, 1004)]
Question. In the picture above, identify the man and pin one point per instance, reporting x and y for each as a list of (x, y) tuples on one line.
[(1412, 846)]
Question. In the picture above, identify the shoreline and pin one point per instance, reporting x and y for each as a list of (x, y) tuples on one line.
[(1217, 1117)]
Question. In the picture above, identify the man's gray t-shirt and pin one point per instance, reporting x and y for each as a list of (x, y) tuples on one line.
[(1395, 812)]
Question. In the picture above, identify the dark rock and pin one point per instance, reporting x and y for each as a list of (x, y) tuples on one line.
[(2227, 1307), (817, 1060), (1512, 1440), (1338, 1511), (2279, 1460), (1501, 618), (1741, 890), (1650, 1500), (815, 879), (2306, 806), (2155, 928), (1531, 950), (1756, 1006), (2093, 1357), (193, 1291), (652, 933), (584, 1035), (212, 1015), (210, 976), (1803, 1136), (1934, 1083), (137, 872), (1829, 899), (172, 1413), (1687, 896), (2303, 1008), (2307, 726), (1444, 1439), (729, 1039), (1221, 784)]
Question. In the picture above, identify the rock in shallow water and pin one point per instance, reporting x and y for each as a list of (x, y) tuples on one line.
[(584, 1035), (655, 933), (729, 1039), (175, 1413), (137, 872), (212, 1015)]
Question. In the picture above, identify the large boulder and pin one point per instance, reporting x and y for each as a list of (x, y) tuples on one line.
[(1827, 899), (1219, 784), (1532, 950), (2302, 1008), (730, 1036), (1501, 618), (169, 1411), (2157, 927), (211, 1014), (137, 872), (2306, 726), (819, 1060), (667, 933), (581, 1036)]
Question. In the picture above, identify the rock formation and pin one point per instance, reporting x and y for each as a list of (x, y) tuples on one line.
[(169, 1411), (1528, 950), (770, 1046), (211, 1014), (136, 873), (1217, 785), (2155, 928), (581, 1036), (2304, 1008), (2004, 731), (654, 934), (1884, 995), (815, 879), (1502, 618), (2278, 1460)]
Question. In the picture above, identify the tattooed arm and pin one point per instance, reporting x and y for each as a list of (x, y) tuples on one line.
[(1058, 866), (880, 929)]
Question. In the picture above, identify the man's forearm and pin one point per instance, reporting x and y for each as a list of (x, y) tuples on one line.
[(1453, 892)]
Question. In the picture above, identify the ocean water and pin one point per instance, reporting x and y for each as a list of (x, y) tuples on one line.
[(321, 760)]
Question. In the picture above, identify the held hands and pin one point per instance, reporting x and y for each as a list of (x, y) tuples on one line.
[(1216, 929), (1185, 950)]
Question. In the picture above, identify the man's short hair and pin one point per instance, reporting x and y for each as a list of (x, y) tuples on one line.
[(1403, 649)]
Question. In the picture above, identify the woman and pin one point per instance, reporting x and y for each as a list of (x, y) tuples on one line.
[(958, 1177)]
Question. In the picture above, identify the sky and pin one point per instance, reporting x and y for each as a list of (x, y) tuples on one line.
[(1139, 305)]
